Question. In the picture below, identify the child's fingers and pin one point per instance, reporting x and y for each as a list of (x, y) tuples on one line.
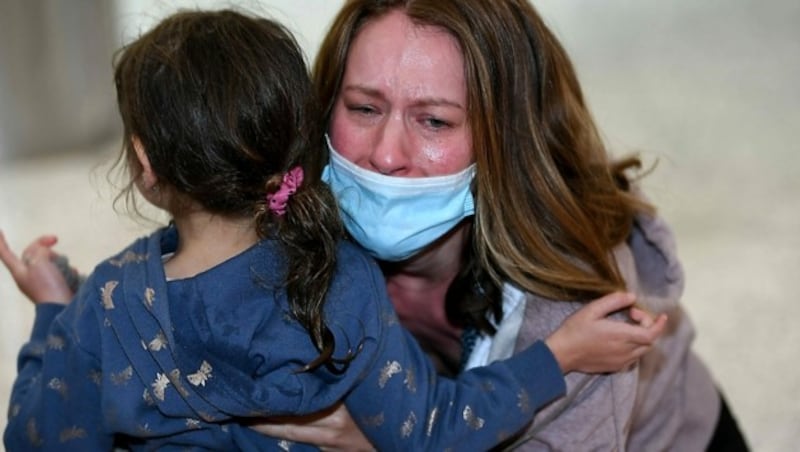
[(646, 335), (48, 240), (613, 302), (641, 316), (35, 252), (46, 244)]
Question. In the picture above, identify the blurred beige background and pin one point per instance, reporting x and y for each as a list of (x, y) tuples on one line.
[(708, 89)]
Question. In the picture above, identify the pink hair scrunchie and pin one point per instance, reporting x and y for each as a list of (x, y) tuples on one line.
[(291, 181)]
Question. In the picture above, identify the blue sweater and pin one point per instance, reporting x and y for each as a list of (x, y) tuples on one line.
[(149, 364)]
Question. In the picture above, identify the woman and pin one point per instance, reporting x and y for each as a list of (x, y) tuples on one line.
[(416, 92)]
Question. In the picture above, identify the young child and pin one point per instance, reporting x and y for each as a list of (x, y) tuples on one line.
[(249, 304)]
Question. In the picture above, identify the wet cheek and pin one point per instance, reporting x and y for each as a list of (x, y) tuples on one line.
[(441, 160), (432, 154)]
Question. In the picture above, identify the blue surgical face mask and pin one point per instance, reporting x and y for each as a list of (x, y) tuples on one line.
[(394, 218)]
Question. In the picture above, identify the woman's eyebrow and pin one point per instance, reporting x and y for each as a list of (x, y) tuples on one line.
[(420, 102), (363, 89)]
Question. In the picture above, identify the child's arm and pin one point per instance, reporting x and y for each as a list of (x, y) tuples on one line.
[(335, 428), (56, 396), (402, 404)]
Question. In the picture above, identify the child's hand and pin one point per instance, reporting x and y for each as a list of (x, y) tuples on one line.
[(590, 342), (35, 273)]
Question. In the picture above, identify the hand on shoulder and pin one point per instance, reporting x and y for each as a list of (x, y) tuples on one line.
[(591, 342)]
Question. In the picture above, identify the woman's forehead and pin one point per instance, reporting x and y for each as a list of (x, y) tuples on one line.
[(393, 53)]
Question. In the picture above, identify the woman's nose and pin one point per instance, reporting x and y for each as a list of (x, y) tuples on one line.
[(390, 154)]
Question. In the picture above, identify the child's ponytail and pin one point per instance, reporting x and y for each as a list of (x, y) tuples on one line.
[(303, 216)]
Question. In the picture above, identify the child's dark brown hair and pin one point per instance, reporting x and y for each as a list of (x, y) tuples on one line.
[(223, 106)]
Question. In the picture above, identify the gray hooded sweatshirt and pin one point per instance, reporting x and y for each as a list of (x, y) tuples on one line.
[(666, 402)]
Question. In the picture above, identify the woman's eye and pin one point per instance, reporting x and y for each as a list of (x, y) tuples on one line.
[(362, 109), (436, 123)]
